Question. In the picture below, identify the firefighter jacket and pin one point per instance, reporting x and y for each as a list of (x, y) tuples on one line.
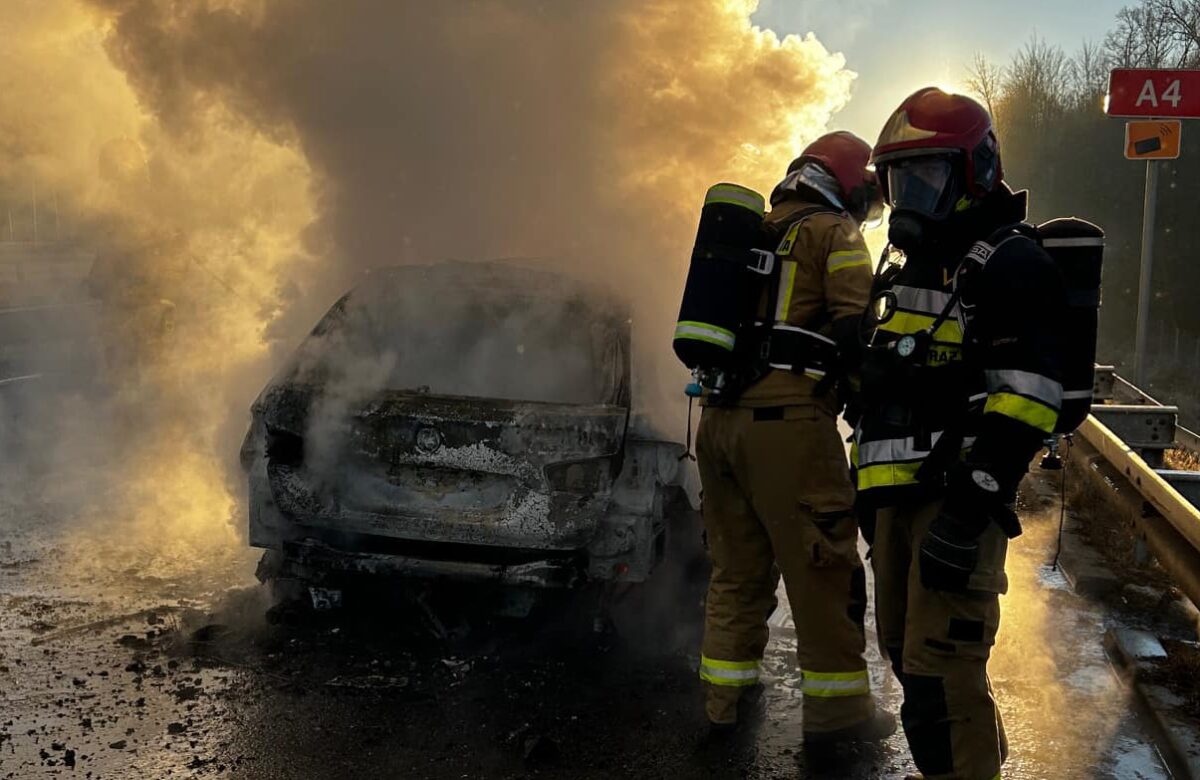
[(824, 286), (987, 389)]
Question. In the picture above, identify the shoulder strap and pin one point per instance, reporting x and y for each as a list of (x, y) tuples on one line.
[(785, 248), (979, 253), (793, 231), (982, 251)]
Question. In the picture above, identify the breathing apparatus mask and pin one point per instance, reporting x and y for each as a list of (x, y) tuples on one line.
[(923, 192)]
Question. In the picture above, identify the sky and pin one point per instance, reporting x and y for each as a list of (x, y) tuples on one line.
[(898, 46)]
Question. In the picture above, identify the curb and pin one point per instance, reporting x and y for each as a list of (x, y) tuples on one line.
[(1085, 569), (1175, 735)]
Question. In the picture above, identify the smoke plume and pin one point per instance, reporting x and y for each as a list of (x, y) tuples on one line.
[(235, 164)]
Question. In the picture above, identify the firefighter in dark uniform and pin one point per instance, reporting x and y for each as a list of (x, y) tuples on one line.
[(960, 388), (777, 490)]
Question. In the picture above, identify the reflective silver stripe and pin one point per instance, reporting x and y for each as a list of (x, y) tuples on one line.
[(714, 335), (1077, 395), (872, 453), (835, 684), (977, 398), (813, 334), (918, 299), (1025, 383), (1068, 242), (968, 442), (729, 674), (813, 686), (811, 373), (737, 196)]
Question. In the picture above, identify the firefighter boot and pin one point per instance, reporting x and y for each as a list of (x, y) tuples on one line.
[(878, 727), (729, 708)]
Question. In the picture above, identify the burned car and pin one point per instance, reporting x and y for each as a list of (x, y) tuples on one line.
[(469, 421)]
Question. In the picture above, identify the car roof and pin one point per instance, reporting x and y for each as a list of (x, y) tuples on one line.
[(538, 277)]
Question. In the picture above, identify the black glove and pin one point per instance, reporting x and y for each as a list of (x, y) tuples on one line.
[(950, 549), (949, 554)]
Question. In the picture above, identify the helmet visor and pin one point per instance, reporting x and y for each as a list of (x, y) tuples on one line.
[(921, 184)]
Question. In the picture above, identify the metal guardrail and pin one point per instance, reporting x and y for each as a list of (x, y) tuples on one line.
[(1131, 431)]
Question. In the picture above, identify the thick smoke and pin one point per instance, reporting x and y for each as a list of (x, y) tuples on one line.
[(192, 233), (241, 161)]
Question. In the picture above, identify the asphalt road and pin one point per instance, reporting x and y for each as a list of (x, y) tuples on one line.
[(124, 657)]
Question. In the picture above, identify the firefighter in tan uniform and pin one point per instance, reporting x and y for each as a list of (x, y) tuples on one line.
[(777, 493)]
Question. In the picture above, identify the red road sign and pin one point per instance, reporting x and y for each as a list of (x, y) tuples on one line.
[(1160, 93)]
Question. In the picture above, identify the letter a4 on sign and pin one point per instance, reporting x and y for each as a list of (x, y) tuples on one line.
[(1154, 93)]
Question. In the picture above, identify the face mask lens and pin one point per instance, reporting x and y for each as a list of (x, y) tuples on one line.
[(921, 185)]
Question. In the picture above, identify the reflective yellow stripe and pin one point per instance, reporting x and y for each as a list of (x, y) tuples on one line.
[(716, 663), (735, 195), (887, 475), (789, 240), (787, 283), (905, 322), (1026, 383), (828, 685), (850, 258), (702, 331), (732, 673), (1022, 409)]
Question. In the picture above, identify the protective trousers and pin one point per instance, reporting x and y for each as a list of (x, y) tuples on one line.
[(939, 645), (777, 491)]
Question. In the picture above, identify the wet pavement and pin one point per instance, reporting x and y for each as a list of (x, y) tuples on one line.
[(121, 657)]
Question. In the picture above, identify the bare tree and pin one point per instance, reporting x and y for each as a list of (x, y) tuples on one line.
[(986, 80), (1144, 38), (1181, 19), (1037, 83), (1087, 75)]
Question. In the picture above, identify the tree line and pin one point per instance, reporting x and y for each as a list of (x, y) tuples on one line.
[(1056, 141)]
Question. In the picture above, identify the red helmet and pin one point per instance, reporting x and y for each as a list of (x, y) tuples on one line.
[(848, 158), (936, 126)]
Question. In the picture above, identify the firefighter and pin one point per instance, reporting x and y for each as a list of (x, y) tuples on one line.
[(960, 387), (777, 492)]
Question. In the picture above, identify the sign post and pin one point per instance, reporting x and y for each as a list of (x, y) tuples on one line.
[(1134, 92), (1147, 264), (1150, 141)]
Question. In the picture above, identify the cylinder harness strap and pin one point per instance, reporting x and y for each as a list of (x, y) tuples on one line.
[(914, 347)]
